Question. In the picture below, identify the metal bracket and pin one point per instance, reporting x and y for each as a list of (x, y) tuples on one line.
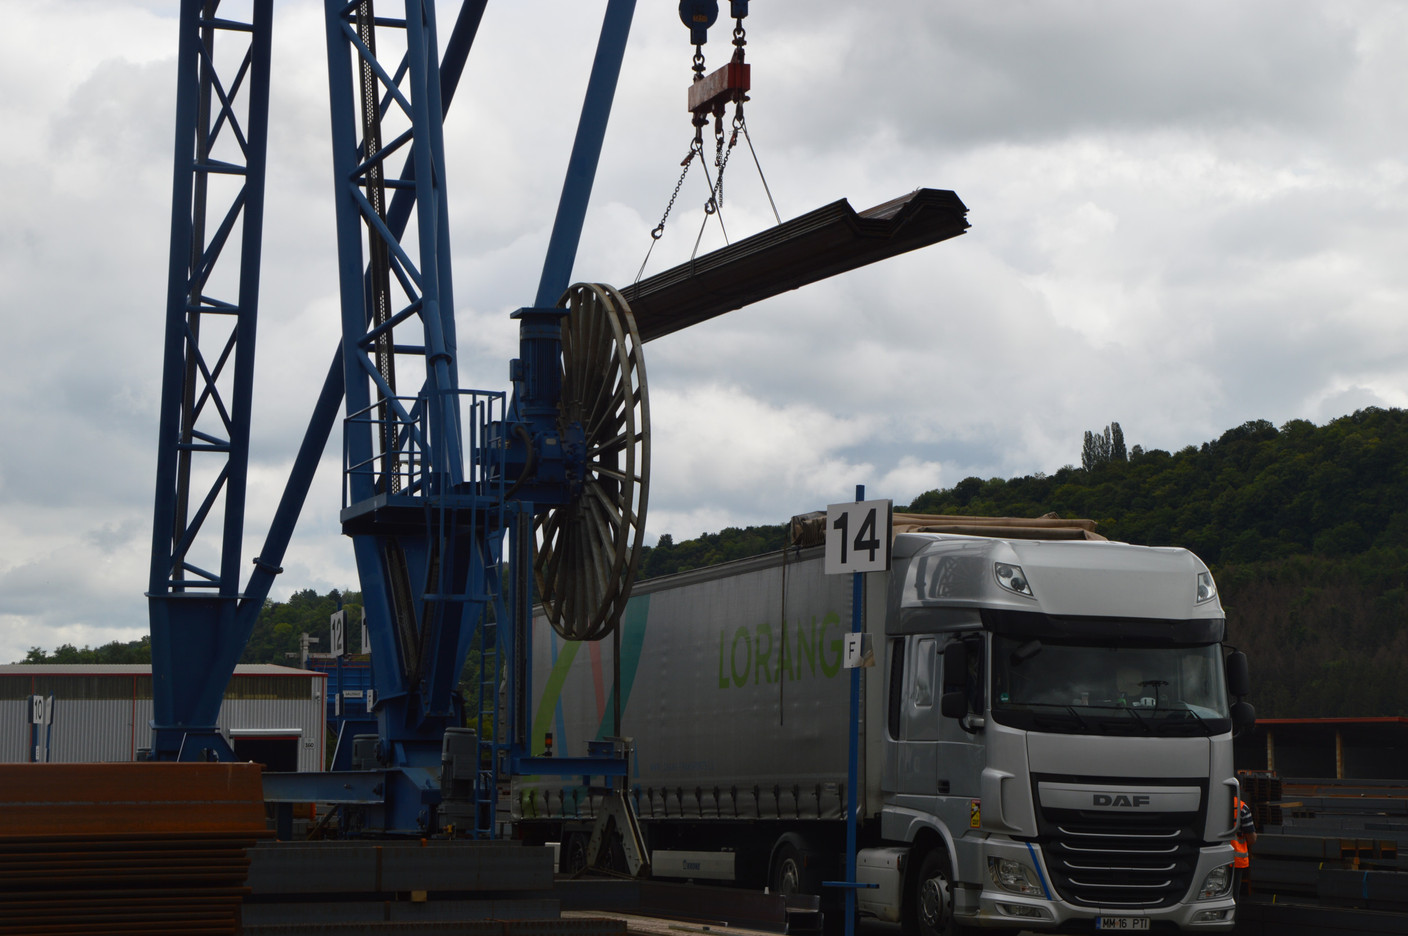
[(617, 809)]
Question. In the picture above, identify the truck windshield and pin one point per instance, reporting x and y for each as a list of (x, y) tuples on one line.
[(1072, 688)]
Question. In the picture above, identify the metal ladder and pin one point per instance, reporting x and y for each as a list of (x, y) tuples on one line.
[(486, 708)]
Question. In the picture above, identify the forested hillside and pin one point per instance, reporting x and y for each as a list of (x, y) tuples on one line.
[(1305, 527), (275, 638)]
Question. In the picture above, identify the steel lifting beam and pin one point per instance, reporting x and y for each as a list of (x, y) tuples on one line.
[(222, 117)]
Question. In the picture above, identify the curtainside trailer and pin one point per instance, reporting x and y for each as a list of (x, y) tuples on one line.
[(1045, 729)]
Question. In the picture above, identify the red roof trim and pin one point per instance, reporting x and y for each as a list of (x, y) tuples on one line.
[(1368, 720)]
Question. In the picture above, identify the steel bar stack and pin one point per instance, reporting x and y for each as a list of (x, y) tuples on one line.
[(126, 848), (1331, 856), (430, 887)]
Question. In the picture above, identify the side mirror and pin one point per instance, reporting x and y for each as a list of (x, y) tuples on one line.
[(1238, 677), (954, 704), (1243, 717)]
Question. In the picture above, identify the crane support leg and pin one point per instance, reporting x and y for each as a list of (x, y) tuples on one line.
[(222, 118)]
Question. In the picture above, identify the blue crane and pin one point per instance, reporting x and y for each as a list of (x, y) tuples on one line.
[(465, 507), (450, 495)]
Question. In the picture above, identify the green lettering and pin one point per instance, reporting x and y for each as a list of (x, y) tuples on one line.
[(723, 680), (783, 657), (808, 647), (834, 667), (764, 630), (741, 678)]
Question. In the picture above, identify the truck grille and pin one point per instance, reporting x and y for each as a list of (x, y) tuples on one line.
[(1128, 862)]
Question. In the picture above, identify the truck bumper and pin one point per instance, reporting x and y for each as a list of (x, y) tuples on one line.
[(996, 907)]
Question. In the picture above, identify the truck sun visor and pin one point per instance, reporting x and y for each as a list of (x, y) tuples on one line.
[(1194, 632)]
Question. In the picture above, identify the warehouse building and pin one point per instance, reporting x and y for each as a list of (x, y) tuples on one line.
[(88, 713), (1373, 748)]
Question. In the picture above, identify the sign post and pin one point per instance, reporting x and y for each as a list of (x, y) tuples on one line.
[(858, 539)]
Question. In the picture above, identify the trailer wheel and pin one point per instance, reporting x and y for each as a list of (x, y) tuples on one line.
[(574, 857), (931, 906), (788, 876)]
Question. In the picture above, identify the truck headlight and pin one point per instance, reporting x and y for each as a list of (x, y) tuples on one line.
[(1217, 884), (1012, 578), (1207, 588), (1014, 876)]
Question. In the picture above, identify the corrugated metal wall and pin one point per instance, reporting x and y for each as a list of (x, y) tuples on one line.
[(106, 717)]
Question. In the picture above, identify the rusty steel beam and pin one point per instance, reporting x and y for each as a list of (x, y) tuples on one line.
[(126, 848), (822, 243), (141, 799)]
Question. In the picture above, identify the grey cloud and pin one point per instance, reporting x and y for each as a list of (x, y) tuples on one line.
[(1183, 218), (960, 73)]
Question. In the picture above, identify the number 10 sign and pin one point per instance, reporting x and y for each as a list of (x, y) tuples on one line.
[(858, 536)]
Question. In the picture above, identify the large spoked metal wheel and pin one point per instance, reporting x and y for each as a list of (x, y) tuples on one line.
[(587, 551)]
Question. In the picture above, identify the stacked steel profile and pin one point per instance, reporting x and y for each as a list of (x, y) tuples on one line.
[(126, 848)]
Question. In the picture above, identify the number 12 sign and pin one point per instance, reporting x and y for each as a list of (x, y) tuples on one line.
[(858, 536)]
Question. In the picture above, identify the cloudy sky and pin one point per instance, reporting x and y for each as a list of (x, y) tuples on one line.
[(1184, 216)]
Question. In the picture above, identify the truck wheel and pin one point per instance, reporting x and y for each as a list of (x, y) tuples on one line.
[(787, 875), (574, 854), (931, 909)]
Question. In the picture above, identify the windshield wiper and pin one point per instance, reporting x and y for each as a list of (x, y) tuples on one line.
[(1057, 705), (1202, 722), (1083, 723), (1137, 717)]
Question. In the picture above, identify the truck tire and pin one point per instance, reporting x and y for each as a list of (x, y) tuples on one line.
[(788, 875), (930, 910), (574, 853)]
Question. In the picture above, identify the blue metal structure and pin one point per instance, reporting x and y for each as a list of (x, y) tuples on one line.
[(435, 477), (222, 117), (464, 507), (426, 523)]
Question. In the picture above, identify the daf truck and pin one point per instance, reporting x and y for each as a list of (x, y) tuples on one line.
[(1045, 729)]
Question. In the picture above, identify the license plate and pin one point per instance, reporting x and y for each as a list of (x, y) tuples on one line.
[(1121, 923)]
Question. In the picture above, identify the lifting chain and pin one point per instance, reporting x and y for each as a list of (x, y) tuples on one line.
[(699, 119), (698, 15), (721, 155), (694, 149)]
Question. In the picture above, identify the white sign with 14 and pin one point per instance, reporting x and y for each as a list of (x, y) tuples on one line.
[(858, 536)]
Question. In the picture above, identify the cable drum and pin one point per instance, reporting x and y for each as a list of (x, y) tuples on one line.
[(587, 551)]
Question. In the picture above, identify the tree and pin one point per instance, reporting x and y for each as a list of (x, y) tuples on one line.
[(1096, 449), (136, 651), (1100, 448)]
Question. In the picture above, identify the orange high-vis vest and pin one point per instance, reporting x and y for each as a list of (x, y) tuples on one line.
[(1240, 858)]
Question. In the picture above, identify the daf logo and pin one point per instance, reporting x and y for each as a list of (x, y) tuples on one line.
[(1119, 799)]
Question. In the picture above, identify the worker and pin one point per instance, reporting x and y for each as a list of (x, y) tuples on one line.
[(1242, 841)]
